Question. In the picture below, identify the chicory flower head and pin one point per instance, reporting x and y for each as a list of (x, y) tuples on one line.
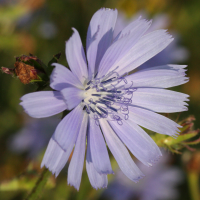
[(107, 101)]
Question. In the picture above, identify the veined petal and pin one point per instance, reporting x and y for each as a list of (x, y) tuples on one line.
[(72, 96), (162, 76), (67, 130), (43, 104), (160, 100), (126, 29), (137, 141), (99, 36), (97, 180), (120, 153), (55, 158), (122, 46), (76, 165), (76, 56), (61, 77), (153, 121), (148, 46), (98, 149)]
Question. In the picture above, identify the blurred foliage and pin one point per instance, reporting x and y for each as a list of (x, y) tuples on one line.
[(41, 28), (175, 144), (25, 180)]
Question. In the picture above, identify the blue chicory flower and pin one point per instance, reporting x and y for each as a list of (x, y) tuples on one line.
[(34, 136), (160, 183), (107, 101)]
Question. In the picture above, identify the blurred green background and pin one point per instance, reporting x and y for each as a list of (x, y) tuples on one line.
[(41, 27)]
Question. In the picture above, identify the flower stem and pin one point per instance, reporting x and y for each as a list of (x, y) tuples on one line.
[(193, 184), (36, 191)]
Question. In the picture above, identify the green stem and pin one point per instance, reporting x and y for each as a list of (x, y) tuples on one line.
[(36, 191), (193, 185)]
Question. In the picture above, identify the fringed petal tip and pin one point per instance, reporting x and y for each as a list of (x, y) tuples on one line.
[(102, 187), (106, 172), (166, 31), (175, 135), (136, 180), (51, 170), (154, 161), (108, 9), (71, 185)]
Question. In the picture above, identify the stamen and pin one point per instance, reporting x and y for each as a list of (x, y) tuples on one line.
[(92, 109), (98, 113), (102, 110), (89, 82), (107, 103), (97, 95), (87, 88), (93, 102), (87, 110), (114, 109), (110, 98), (108, 81), (113, 91)]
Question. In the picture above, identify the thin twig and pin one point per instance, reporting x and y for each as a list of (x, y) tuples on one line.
[(36, 191)]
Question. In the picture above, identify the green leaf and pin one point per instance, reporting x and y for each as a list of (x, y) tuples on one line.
[(53, 60)]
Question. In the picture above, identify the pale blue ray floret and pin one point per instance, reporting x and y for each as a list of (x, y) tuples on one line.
[(109, 105)]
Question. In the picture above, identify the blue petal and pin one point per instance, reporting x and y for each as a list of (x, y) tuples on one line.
[(68, 128), (76, 165), (148, 46), (164, 76), (99, 36), (153, 121), (55, 158), (120, 153), (43, 104), (97, 180), (72, 96), (61, 77), (160, 100), (138, 141), (76, 56), (127, 39), (98, 149), (127, 29)]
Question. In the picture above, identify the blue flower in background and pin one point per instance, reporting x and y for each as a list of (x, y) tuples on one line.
[(34, 136), (160, 183), (107, 101)]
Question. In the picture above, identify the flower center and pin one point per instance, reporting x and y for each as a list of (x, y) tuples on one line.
[(108, 97)]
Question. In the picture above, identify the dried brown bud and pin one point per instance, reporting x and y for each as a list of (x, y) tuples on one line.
[(28, 59), (25, 72)]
